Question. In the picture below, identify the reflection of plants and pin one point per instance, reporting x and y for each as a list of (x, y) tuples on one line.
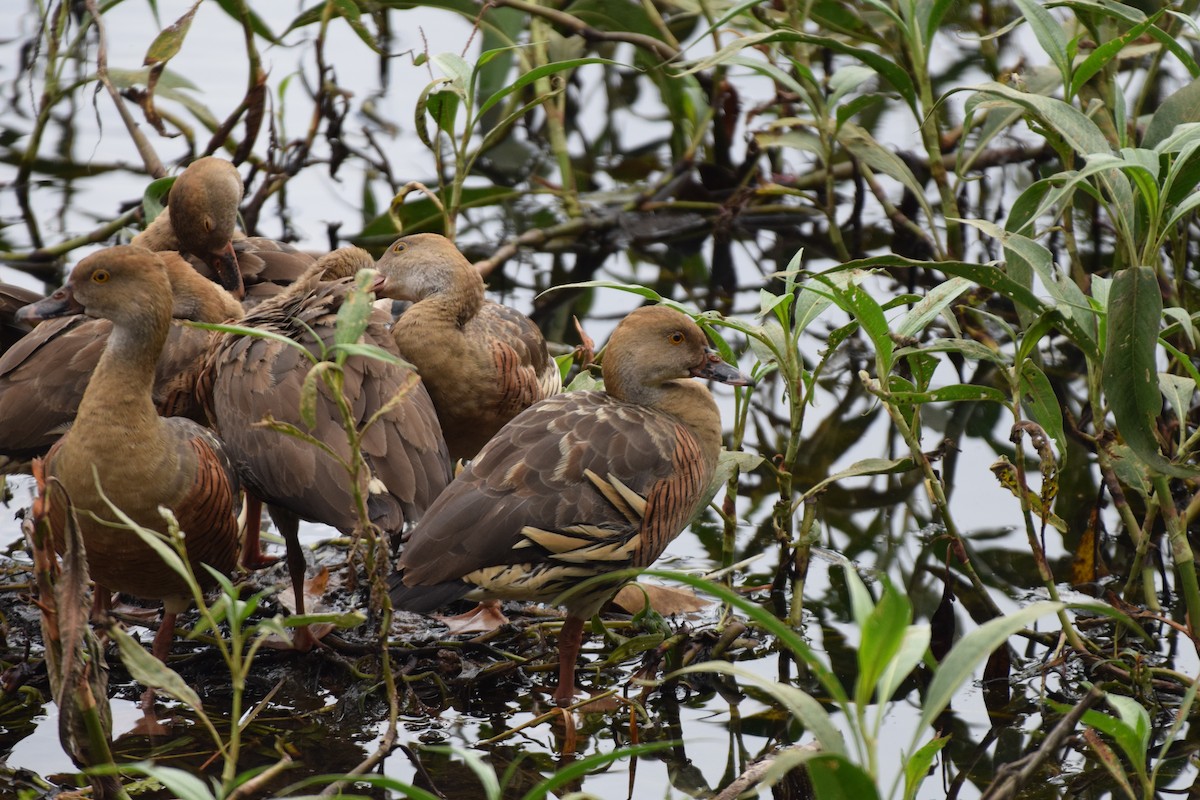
[(890, 647)]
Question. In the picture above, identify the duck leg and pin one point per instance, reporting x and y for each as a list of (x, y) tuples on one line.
[(570, 638), (165, 636), (252, 554), (289, 528)]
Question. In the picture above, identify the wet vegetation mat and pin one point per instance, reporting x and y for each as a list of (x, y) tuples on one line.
[(946, 548)]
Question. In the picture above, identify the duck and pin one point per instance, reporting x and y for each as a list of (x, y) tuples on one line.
[(579, 485), (44, 374), (12, 298), (200, 221), (141, 460), (482, 362), (248, 378)]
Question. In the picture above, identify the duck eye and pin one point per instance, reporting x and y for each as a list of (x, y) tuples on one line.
[(676, 338), (399, 247), (100, 276)]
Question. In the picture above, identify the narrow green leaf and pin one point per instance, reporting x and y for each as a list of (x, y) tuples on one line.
[(810, 713), (1080, 133), (182, 784), (166, 45), (539, 72), (155, 196), (1039, 400), (913, 645), (1102, 55), (1181, 106), (148, 670), (836, 777), (868, 466), (1050, 35), (970, 651), (1129, 367), (959, 392), (916, 766), (931, 306), (882, 634), (308, 392), (356, 309)]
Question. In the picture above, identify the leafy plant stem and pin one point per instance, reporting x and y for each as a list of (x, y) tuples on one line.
[(1181, 552), (554, 107), (933, 487), (801, 555)]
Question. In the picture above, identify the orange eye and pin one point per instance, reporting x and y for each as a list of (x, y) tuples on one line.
[(100, 276), (399, 247), (676, 338)]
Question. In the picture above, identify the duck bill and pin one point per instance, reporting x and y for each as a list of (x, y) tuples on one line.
[(715, 369), (60, 304), (224, 263)]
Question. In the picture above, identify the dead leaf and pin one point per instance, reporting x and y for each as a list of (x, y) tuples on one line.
[(666, 600)]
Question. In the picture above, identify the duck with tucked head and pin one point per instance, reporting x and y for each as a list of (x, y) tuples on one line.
[(247, 378), (482, 362), (200, 221), (580, 485), (121, 447)]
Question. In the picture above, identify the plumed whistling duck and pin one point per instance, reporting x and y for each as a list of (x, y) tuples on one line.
[(141, 460), (579, 485), (482, 362)]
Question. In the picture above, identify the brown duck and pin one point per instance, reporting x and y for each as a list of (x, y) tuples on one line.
[(247, 378), (200, 221), (141, 460), (44, 374), (482, 362), (12, 298), (579, 485)]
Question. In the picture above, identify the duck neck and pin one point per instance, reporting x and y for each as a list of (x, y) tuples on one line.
[(458, 297), (196, 297), (120, 389)]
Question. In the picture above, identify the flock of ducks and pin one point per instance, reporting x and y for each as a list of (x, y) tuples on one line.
[(119, 403)]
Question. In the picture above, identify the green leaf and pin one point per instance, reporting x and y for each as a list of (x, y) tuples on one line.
[(182, 784), (1181, 106), (355, 311), (913, 645), (1102, 55), (959, 392), (308, 392), (866, 309), (1050, 36), (930, 306), (958, 667), (868, 466), (1076, 129), (836, 777), (148, 670), (155, 196), (916, 766), (540, 72), (1038, 398), (881, 636), (1129, 369), (810, 713), (166, 45)]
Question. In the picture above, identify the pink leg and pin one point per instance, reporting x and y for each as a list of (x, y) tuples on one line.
[(569, 640), (165, 636), (252, 554)]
